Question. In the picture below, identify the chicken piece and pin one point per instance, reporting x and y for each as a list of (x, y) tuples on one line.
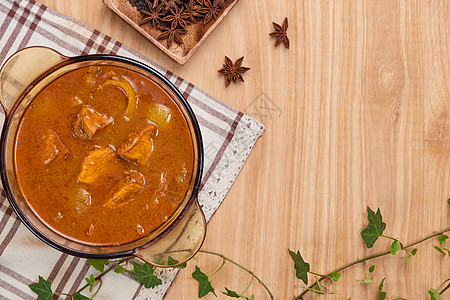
[(163, 186), (75, 101), (95, 164), (139, 145), (93, 75), (179, 181), (128, 188), (82, 200), (160, 192), (89, 121), (177, 186), (164, 193), (53, 147)]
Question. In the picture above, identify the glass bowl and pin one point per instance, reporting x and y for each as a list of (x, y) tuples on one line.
[(22, 77)]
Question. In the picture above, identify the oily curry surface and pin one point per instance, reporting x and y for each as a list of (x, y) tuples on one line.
[(103, 155)]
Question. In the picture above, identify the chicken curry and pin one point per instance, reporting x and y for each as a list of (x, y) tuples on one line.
[(103, 155)]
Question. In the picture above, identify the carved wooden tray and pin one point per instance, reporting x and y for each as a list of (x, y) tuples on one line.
[(196, 35)]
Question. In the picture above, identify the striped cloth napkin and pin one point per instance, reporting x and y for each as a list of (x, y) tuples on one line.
[(228, 136)]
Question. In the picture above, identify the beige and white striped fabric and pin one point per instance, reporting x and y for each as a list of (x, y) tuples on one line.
[(228, 137)]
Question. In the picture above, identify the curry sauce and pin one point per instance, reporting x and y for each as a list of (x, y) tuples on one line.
[(103, 155)]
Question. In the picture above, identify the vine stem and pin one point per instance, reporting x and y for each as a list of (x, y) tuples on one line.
[(105, 272), (242, 267), (446, 287), (362, 260), (220, 268), (248, 286), (98, 289), (388, 237)]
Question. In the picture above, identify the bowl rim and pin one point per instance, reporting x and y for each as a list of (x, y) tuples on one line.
[(180, 98)]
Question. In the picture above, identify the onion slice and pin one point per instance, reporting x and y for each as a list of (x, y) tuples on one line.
[(125, 86)]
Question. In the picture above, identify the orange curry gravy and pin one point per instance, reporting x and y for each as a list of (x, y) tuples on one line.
[(103, 155)]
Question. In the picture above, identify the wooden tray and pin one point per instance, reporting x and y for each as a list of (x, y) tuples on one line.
[(196, 35)]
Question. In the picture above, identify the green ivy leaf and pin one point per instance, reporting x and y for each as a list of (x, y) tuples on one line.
[(408, 255), (98, 264), (252, 297), (231, 293), (381, 294), (144, 274), (434, 294), (395, 247), (367, 280), (171, 261), (380, 286), (42, 288), (196, 258), (78, 296), (204, 285), (91, 281), (182, 266), (335, 276), (439, 249), (442, 239), (375, 228), (120, 269), (371, 268), (448, 201), (300, 266)]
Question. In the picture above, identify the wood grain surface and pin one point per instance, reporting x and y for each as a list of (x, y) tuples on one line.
[(357, 114)]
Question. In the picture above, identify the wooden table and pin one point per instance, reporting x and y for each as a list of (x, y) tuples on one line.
[(360, 117)]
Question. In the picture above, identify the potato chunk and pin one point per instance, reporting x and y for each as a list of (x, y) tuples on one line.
[(95, 164), (139, 145), (160, 114), (128, 188), (53, 147), (89, 121)]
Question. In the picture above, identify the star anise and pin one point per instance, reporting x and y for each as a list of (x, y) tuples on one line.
[(233, 71), (171, 17), (281, 33), (154, 4), (153, 15), (172, 35), (169, 4), (192, 9), (210, 11), (220, 3), (177, 17)]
